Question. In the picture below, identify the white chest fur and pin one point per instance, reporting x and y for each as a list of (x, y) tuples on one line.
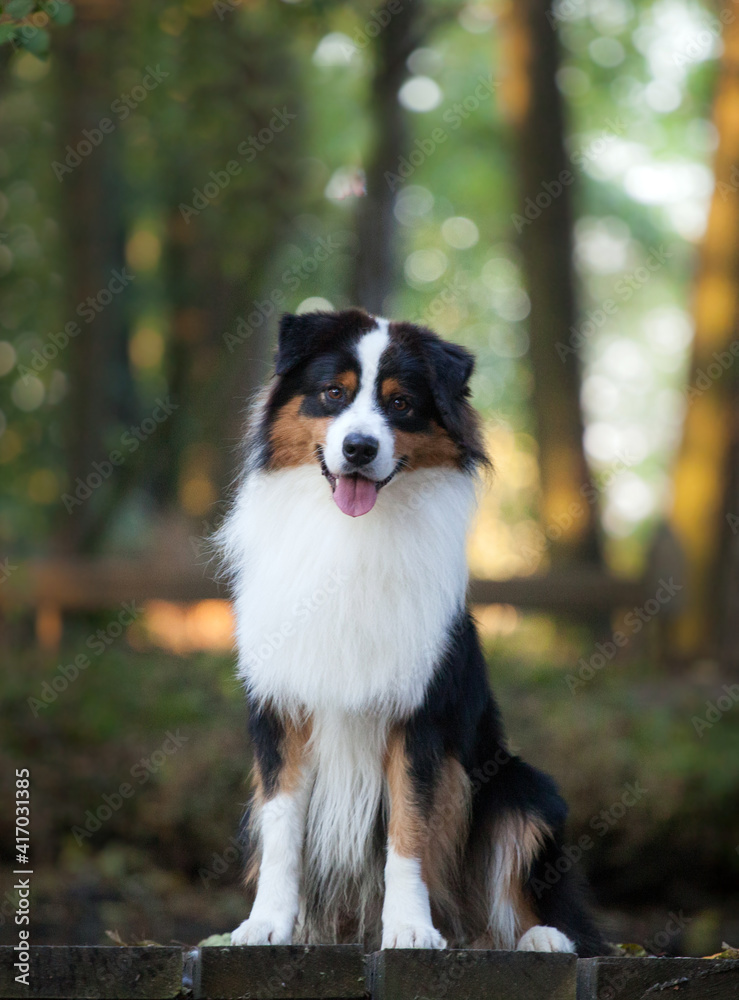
[(346, 614)]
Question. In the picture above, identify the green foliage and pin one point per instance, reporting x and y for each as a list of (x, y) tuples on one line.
[(149, 858), (19, 9), (201, 272), (226, 69), (24, 23), (216, 941)]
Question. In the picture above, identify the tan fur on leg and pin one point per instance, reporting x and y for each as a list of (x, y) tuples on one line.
[(436, 837)]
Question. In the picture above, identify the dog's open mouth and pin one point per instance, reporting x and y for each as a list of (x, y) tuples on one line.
[(355, 494)]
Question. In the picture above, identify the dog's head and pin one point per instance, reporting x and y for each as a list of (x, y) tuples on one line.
[(366, 400)]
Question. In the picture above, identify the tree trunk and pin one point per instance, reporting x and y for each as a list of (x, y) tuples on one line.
[(705, 479), (92, 197), (534, 103), (376, 263), (730, 548)]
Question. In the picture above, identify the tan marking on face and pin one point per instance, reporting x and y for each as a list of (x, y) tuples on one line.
[(426, 450), (349, 381), (391, 387), (295, 437)]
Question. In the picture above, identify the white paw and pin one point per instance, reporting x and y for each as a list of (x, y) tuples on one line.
[(263, 932), (541, 938), (412, 936)]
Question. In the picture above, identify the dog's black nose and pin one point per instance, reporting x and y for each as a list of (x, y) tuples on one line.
[(360, 449)]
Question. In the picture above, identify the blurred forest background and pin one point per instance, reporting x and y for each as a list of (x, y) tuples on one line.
[(556, 186)]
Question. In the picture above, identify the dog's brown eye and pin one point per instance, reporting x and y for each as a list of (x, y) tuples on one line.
[(335, 392), (400, 404)]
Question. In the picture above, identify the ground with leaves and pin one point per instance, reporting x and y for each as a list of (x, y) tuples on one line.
[(654, 801)]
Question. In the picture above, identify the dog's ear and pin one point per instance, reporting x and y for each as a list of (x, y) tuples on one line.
[(450, 367), (307, 334), (300, 336)]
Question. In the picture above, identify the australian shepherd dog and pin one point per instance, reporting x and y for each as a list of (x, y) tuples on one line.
[(387, 809)]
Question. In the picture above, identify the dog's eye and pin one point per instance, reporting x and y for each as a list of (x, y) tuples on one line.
[(335, 392), (400, 403)]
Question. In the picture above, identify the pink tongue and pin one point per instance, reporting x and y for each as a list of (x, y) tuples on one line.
[(354, 495)]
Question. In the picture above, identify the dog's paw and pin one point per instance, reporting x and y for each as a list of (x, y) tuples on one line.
[(256, 931), (542, 938), (412, 936)]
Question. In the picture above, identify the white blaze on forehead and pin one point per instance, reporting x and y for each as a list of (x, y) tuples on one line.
[(364, 416), (369, 351)]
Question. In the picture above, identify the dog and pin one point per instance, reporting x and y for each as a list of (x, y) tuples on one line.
[(387, 809)]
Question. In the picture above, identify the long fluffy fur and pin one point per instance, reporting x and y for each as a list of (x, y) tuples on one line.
[(352, 631)]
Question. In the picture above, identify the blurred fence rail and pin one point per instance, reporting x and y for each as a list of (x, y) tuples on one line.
[(89, 584)]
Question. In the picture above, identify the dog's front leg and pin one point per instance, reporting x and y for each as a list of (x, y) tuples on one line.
[(280, 805), (406, 911)]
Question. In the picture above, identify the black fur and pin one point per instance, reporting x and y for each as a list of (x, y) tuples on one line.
[(303, 336), (313, 347), (267, 733), (445, 369), (460, 718)]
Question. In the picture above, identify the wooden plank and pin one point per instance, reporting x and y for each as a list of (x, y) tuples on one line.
[(328, 972), (61, 972), (645, 978), (410, 974), (315, 972)]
